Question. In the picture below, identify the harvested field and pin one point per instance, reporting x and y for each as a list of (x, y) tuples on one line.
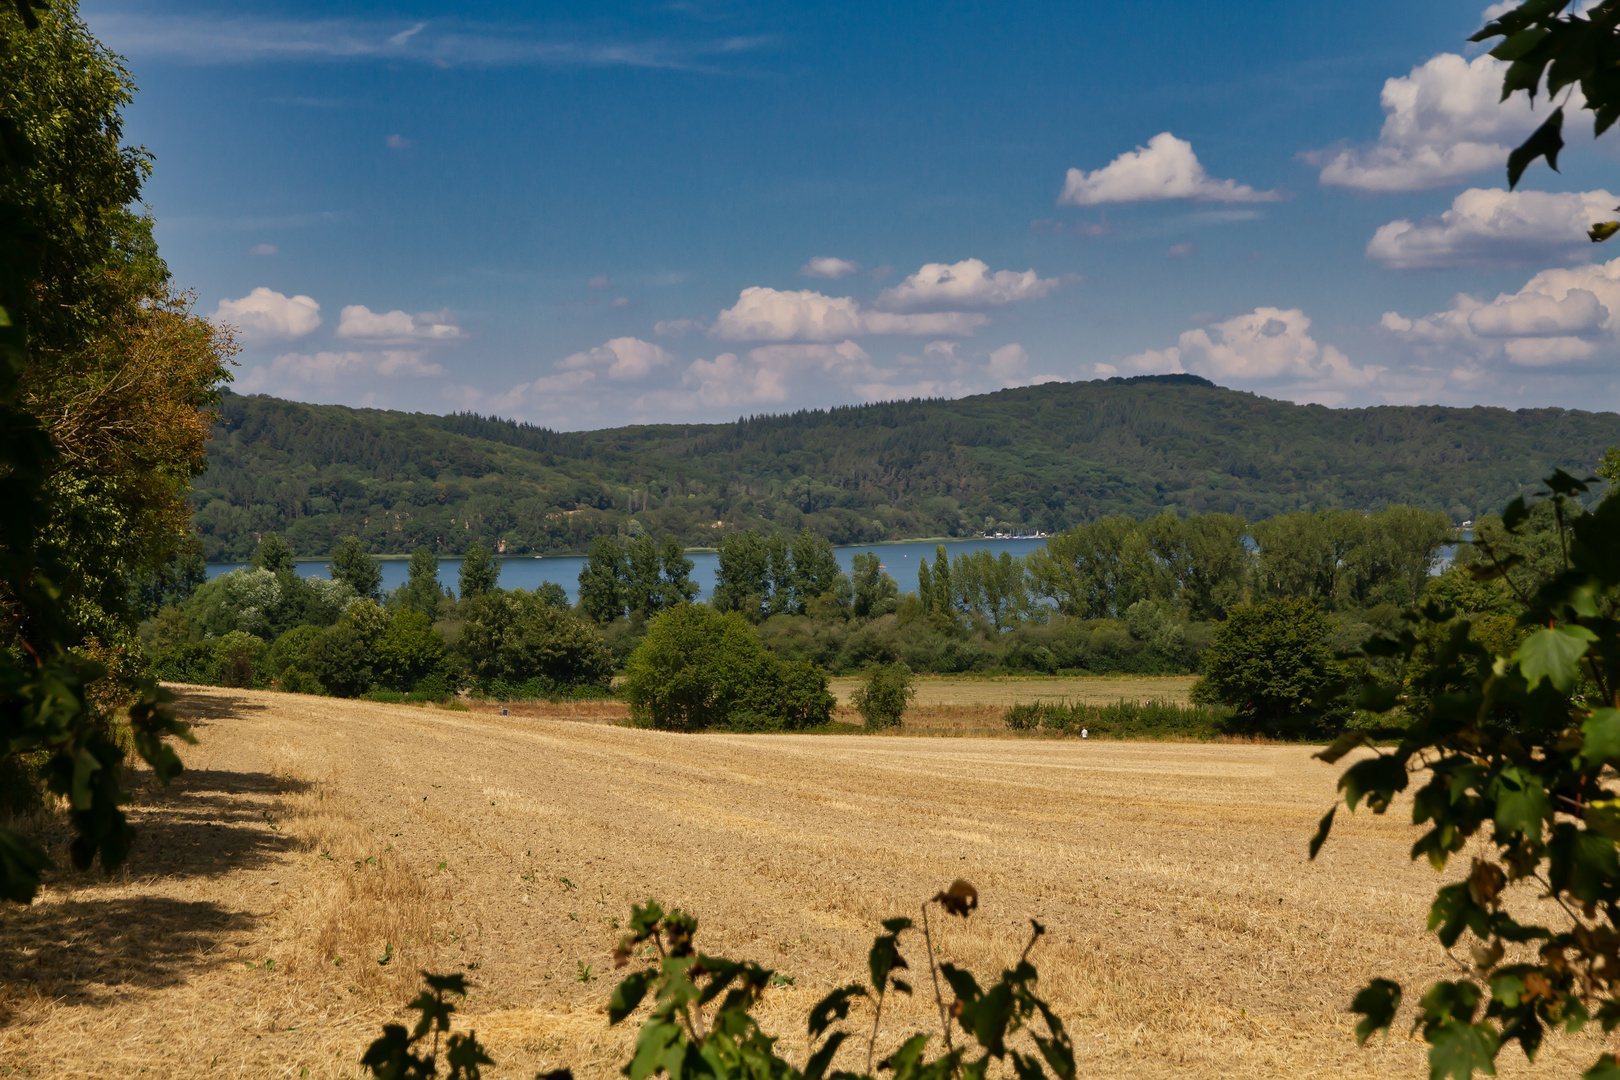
[(319, 852), (966, 690)]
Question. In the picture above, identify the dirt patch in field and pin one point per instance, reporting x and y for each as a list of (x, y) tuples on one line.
[(284, 893)]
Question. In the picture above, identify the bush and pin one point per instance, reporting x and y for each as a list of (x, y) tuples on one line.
[(884, 696), (521, 639), (190, 662), (1121, 720), (238, 656), (342, 660), (698, 669), (1269, 662)]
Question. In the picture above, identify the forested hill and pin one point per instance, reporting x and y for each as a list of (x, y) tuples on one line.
[(1037, 457)]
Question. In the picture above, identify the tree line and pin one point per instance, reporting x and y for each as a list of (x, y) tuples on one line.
[(1047, 458)]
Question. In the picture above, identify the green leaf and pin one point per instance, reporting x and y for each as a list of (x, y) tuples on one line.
[(1322, 828), (628, 994), (1518, 44), (1459, 1050), (1377, 1003), (1606, 1067), (1546, 141), (1521, 803), (21, 863), (1554, 654), (1600, 738)]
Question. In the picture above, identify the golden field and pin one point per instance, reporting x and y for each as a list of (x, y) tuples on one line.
[(311, 839)]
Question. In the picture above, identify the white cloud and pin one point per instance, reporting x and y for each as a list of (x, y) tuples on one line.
[(1493, 226), (1443, 122), (1166, 168), (200, 38), (624, 358), (266, 315), (360, 322), (1560, 317), (600, 281), (1008, 363), (968, 283), (263, 249), (678, 327), (398, 142), (1181, 251), (765, 314), (293, 372), (823, 266), (1268, 347)]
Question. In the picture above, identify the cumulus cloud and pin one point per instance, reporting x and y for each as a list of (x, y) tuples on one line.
[(623, 358), (1268, 347), (1166, 168), (360, 322), (1493, 226), (1008, 363), (294, 372), (263, 249), (968, 283), (765, 314), (266, 315), (1443, 122), (1560, 317), (824, 266)]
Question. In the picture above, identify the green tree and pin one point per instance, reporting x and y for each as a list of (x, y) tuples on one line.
[(992, 586), (237, 658), (944, 591), (699, 668), (884, 695), (1269, 661), (925, 587), (678, 586), (1207, 560), (815, 569), (409, 652), (742, 579), (601, 580), (480, 572), (875, 591), (169, 585), (421, 591), (353, 565), (343, 660), (1096, 571), (273, 555), (519, 639)]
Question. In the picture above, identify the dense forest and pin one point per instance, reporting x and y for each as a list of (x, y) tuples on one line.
[(1035, 458)]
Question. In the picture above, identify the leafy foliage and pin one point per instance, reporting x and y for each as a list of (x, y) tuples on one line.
[(1513, 753), (517, 637), (641, 577), (885, 694), (66, 270), (1270, 663), (1047, 457), (699, 668), (701, 1023)]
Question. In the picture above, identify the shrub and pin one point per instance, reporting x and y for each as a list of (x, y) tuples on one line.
[(292, 649), (190, 662), (1268, 662), (238, 656), (1123, 719), (882, 699), (342, 660), (520, 639), (698, 668)]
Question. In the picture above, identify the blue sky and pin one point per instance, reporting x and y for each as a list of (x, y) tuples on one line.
[(588, 215)]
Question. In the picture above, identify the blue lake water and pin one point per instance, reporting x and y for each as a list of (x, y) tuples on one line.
[(900, 560)]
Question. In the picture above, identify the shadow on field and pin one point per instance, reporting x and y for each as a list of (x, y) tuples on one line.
[(83, 951)]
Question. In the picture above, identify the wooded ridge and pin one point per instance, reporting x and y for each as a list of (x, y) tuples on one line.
[(1040, 457)]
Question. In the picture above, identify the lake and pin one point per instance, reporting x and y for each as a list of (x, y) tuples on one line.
[(900, 560)]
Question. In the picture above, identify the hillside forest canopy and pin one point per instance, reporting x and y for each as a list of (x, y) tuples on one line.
[(1039, 458)]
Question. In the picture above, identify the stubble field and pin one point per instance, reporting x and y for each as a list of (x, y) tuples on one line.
[(319, 853)]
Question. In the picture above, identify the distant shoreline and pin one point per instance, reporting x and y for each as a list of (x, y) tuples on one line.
[(696, 550)]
